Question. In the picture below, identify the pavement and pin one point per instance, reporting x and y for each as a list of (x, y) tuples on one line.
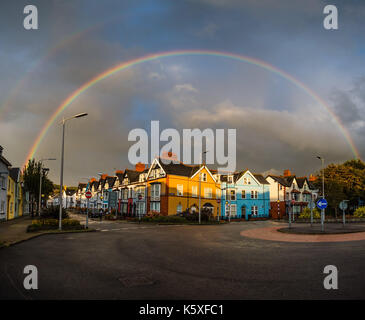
[(132, 261), (15, 230)]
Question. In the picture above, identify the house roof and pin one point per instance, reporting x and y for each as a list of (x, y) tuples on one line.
[(14, 173), (81, 186), (132, 175), (70, 192), (301, 181), (179, 169), (280, 179), (260, 178), (111, 181)]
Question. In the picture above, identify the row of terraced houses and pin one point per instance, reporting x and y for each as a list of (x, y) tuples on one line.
[(14, 199), (170, 188)]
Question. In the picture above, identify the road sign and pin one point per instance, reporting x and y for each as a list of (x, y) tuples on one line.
[(88, 194), (218, 200), (343, 205), (311, 205), (322, 204)]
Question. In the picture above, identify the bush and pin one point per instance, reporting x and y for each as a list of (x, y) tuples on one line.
[(306, 214), (52, 224), (164, 219), (53, 213), (359, 212)]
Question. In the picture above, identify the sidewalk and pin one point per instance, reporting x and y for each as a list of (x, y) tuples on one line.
[(15, 230)]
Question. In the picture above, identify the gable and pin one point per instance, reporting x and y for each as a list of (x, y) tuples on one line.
[(250, 177)]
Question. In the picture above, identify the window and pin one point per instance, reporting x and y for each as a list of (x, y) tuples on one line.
[(2, 207), (230, 179), (179, 208), (208, 193), (155, 192), (155, 206), (248, 181), (231, 194), (180, 190), (194, 191), (244, 180), (218, 193), (243, 194), (231, 210), (204, 177), (140, 208), (254, 210), (254, 194)]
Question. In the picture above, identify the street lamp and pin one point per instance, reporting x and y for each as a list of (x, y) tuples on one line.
[(322, 210), (80, 115), (42, 171), (200, 185)]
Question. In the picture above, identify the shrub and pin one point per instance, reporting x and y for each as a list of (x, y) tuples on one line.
[(53, 213), (306, 214), (52, 224), (164, 219), (360, 212)]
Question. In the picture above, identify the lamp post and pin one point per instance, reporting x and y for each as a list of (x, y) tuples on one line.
[(42, 172), (80, 115), (322, 210), (200, 185)]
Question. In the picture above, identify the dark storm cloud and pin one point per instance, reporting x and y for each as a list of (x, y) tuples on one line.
[(279, 128)]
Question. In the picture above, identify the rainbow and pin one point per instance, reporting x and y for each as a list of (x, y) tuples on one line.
[(155, 56)]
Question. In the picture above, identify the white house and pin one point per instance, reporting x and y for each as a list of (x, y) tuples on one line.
[(4, 172), (289, 192)]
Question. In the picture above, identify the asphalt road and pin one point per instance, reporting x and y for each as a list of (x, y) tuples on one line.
[(131, 261)]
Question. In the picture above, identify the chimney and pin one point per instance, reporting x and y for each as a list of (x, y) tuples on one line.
[(312, 178), (140, 167), (287, 173)]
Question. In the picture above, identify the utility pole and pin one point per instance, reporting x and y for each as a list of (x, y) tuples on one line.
[(322, 210), (62, 160), (41, 171)]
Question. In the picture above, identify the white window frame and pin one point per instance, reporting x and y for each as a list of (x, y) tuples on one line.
[(194, 191), (180, 190), (208, 193)]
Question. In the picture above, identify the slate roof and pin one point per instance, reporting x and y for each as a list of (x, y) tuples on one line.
[(133, 176), (179, 169), (81, 186), (6, 162), (111, 181), (301, 181), (280, 179), (14, 173), (260, 178)]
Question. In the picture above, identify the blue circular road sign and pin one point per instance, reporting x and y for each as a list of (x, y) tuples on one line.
[(322, 204)]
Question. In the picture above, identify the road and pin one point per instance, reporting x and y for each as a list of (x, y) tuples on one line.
[(131, 261)]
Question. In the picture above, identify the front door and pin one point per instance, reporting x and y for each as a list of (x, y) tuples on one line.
[(243, 212)]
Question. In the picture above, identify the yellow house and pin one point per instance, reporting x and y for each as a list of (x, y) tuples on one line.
[(174, 188), (14, 194)]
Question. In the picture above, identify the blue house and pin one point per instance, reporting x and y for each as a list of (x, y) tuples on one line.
[(244, 195)]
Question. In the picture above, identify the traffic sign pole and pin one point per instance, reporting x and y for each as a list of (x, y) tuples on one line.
[(87, 215)]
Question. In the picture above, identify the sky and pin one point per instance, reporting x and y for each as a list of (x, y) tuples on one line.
[(279, 126)]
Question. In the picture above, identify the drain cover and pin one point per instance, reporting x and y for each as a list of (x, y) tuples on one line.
[(136, 281)]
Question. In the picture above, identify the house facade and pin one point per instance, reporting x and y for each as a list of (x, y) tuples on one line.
[(245, 195), (4, 173), (289, 193), (15, 194), (174, 188)]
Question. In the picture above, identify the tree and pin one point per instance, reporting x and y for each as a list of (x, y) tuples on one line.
[(343, 182), (31, 176)]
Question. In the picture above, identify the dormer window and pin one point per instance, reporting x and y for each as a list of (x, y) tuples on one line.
[(230, 179), (204, 177)]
